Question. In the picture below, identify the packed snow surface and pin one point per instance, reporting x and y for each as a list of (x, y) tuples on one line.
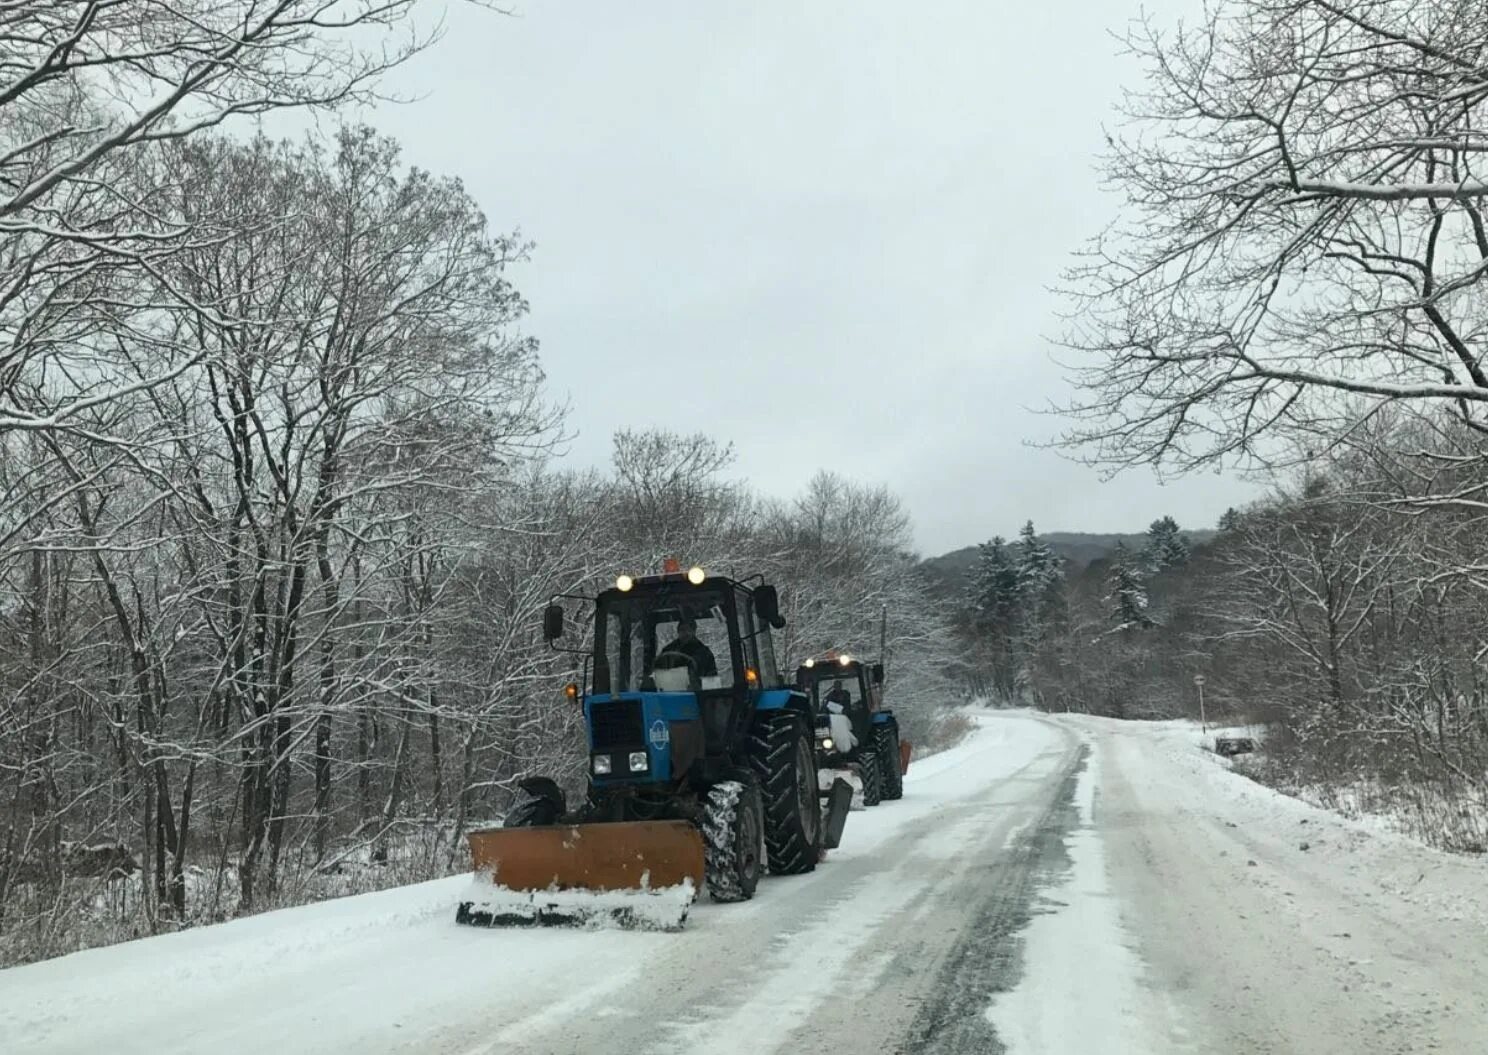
[(1049, 885)]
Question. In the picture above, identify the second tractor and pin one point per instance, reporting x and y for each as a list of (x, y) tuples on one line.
[(855, 734)]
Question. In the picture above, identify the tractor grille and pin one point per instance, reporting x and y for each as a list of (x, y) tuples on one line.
[(617, 723)]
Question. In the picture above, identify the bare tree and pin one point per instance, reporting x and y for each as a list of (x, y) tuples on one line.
[(87, 89), (1303, 241)]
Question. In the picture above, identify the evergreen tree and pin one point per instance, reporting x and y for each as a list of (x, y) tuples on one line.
[(1041, 603), (1127, 592), (996, 611), (995, 586), (1166, 546), (1041, 588)]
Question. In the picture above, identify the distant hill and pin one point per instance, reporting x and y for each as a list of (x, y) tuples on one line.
[(1078, 548)]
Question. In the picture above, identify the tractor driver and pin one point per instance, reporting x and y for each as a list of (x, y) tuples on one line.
[(839, 694), (686, 643)]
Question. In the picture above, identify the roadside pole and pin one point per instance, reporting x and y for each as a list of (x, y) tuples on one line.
[(1203, 721)]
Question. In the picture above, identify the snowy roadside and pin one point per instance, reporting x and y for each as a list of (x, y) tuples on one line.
[(1404, 865), (1196, 910), (1406, 810), (1274, 925)]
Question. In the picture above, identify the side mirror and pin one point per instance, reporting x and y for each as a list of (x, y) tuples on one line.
[(878, 673), (767, 606), (552, 622)]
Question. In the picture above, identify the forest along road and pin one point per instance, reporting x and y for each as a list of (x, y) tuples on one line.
[(1050, 885)]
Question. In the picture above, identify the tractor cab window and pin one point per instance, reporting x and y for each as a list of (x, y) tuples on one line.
[(840, 690), (764, 649), (667, 641), (749, 639)]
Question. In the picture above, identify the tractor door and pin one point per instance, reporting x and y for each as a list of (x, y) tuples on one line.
[(861, 709)]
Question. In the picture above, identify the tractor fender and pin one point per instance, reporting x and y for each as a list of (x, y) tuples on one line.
[(784, 700)]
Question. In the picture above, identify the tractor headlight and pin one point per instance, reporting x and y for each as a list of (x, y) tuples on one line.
[(696, 576), (638, 762), (845, 660), (827, 743), (602, 764), (809, 663), (623, 583)]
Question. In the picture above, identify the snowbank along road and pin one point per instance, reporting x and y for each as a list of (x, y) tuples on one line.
[(1051, 885)]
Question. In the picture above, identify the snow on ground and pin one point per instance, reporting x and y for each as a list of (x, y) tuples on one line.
[(1404, 865), (997, 751), (392, 971), (1277, 926), (1078, 954), (1151, 901), (1198, 911)]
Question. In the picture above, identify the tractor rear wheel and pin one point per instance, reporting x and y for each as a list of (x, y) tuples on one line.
[(783, 756), (872, 777), (733, 846), (886, 741)]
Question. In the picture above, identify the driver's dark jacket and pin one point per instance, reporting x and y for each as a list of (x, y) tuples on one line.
[(699, 653)]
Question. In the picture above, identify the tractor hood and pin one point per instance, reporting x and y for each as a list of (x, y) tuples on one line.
[(662, 729)]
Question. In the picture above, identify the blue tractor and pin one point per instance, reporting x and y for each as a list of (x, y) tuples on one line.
[(855, 733), (701, 765)]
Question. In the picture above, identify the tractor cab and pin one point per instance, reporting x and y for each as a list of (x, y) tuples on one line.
[(844, 694), (681, 664)]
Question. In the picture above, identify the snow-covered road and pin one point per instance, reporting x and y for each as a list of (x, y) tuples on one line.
[(1048, 886)]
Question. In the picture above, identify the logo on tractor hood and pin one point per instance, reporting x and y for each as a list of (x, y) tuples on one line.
[(660, 735)]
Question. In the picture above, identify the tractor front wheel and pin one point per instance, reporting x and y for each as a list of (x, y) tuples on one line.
[(733, 844), (783, 755), (532, 812)]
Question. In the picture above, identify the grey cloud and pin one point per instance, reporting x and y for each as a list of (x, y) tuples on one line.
[(825, 235)]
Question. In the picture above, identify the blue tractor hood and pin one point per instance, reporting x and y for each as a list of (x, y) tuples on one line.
[(666, 726)]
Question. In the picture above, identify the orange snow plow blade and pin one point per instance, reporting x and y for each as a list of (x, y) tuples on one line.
[(632, 874), (629, 855)]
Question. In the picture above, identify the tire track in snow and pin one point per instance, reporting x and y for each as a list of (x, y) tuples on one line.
[(987, 958), (840, 959)]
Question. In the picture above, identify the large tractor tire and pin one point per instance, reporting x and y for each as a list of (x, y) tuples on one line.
[(783, 755), (733, 847), (886, 742), (872, 775)]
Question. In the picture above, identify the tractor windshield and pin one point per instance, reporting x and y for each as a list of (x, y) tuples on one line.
[(838, 687), (669, 639), (837, 690)]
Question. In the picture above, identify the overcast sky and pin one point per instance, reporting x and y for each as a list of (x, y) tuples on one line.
[(822, 231)]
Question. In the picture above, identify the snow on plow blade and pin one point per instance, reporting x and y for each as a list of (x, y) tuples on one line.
[(634, 875)]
